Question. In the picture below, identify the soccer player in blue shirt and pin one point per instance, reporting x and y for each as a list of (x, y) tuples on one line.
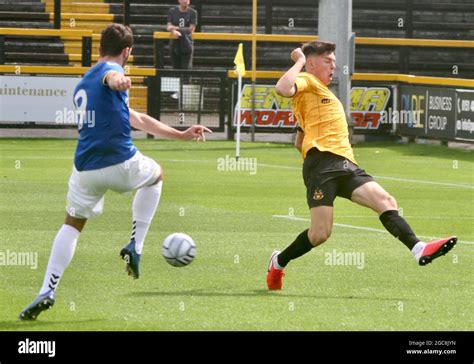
[(106, 158)]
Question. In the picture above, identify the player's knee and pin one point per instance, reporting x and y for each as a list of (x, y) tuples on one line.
[(76, 223), (318, 236), (394, 202), (390, 202), (386, 202), (158, 173)]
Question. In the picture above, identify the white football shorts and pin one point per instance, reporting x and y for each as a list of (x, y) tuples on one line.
[(85, 197)]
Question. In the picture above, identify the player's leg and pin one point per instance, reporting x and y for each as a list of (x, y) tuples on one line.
[(372, 195), (318, 233), (144, 208), (62, 252), (83, 202), (145, 175), (320, 199), (75, 222), (61, 255)]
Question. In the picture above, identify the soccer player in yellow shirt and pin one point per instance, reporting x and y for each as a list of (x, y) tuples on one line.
[(329, 167)]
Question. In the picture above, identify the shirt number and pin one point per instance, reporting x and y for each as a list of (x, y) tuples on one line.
[(80, 101)]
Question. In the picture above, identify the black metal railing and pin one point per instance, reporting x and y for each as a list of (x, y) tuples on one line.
[(57, 14), (182, 98), (126, 12)]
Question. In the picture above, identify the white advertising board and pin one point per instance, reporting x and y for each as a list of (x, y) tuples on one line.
[(36, 99)]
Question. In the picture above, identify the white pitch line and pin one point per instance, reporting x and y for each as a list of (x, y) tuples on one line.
[(379, 177), (185, 160), (70, 157), (294, 218), (384, 177), (278, 166), (414, 217), (425, 182)]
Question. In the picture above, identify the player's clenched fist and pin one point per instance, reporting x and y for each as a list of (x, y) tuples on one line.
[(298, 55), (123, 83), (118, 81)]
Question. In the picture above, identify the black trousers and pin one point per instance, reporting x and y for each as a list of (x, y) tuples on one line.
[(181, 61)]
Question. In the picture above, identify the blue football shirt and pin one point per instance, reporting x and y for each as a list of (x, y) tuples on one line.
[(103, 121)]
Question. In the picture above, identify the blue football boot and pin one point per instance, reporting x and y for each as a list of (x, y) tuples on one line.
[(41, 303), (132, 258)]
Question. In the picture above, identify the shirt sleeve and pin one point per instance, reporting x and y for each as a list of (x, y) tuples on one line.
[(301, 84), (110, 67), (193, 18), (170, 16)]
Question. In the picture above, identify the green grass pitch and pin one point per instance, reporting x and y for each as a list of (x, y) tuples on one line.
[(231, 216)]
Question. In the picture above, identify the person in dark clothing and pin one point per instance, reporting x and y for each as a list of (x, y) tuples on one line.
[(182, 22)]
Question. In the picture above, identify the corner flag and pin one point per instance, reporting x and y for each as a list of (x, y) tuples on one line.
[(240, 67), (239, 61)]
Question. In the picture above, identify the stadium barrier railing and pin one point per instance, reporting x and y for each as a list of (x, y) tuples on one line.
[(57, 14), (60, 70), (403, 43)]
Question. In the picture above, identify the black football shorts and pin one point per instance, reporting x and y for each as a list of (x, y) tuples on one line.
[(327, 175)]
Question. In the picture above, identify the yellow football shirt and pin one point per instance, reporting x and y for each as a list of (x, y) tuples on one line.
[(321, 116)]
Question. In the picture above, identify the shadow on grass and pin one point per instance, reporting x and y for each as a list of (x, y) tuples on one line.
[(40, 325), (255, 293)]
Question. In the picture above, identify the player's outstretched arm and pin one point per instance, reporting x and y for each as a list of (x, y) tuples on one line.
[(155, 127), (286, 84)]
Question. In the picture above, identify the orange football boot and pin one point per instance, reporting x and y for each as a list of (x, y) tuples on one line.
[(436, 249), (274, 275)]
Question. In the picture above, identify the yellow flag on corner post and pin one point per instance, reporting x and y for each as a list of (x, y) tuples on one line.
[(239, 61), (240, 66)]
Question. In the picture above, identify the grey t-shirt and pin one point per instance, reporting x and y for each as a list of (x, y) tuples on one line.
[(182, 20)]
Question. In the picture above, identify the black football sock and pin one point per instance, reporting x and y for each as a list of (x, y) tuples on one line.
[(398, 227), (299, 247)]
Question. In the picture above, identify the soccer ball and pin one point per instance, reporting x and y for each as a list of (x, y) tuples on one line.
[(178, 249)]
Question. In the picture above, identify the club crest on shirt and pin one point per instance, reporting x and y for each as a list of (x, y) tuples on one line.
[(318, 194)]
